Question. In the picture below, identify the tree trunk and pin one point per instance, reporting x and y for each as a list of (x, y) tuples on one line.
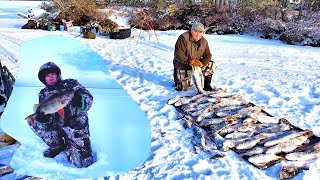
[(225, 2), (300, 10), (238, 4), (220, 3), (216, 3), (284, 15)]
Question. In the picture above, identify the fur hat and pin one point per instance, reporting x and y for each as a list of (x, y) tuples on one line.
[(46, 69)]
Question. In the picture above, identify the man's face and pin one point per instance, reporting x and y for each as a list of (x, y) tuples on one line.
[(51, 79), (196, 35)]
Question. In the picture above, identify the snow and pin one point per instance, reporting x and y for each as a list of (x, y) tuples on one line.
[(283, 78), (113, 129)]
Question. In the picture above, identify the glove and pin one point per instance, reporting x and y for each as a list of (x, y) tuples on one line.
[(77, 100), (195, 62), (42, 118)]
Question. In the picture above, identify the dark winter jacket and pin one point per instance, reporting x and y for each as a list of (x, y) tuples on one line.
[(185, 50), (63, 85)]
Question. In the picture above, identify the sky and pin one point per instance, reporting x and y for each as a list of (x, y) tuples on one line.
[(282, 78)]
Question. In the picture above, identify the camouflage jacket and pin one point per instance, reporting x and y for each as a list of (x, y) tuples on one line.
[(63, 85)]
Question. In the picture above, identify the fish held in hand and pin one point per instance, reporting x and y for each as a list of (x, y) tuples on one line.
[(53, 104), (198, 78)]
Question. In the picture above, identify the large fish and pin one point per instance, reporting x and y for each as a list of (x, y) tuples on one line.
[(53, 104), (198, 79), (290, 145), (203, 99), (262, 160), (262, 118), (252, 109), (291, 170), (198, 96), (223, 94), (225, 127), (279, 135), (303, 156), (234, 108), (316, 146), (231, 110), (285, 138), (274, 128), (225, 99), (238, 135), (217, 139), (208, 112), (249, 121), (234, 118), (182, 101), (231, 143), (250, 143), (310, 153), (195, 109), (173, 100), (244, 143), (254, 151), (211, 121), (200, 139), (229, 129), (252, 127), (188, 121)]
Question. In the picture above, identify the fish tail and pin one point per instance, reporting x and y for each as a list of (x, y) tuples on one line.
[(30, 117)]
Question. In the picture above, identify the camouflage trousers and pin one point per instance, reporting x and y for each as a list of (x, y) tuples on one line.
[(183, 78), (76, 141)]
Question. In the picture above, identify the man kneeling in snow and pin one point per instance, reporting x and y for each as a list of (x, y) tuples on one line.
[(67, 131), (192, 51)]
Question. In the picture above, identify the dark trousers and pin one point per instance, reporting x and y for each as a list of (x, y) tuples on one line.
[(75, 140), (183, 78)]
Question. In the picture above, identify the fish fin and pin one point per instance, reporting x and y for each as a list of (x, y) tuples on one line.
[(30, 117), (35, 107), (61, 112)]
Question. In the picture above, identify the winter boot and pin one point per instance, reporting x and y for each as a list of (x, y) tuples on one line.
[(207, 83), (53, 152)]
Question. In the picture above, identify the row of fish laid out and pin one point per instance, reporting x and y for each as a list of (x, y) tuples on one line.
[(231, 106), (266, 145), (222, 120)]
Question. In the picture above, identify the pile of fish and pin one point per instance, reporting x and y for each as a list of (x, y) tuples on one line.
[(227, 121)]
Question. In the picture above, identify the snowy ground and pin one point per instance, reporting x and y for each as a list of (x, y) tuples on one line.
[(283, 78)]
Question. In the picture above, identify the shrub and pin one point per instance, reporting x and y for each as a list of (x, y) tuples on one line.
[(75, 9), (89, 35), (106, 26)]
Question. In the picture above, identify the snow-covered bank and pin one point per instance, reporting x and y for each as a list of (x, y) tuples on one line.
[(283, 78)]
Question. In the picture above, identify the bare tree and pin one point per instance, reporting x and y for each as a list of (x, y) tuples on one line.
[(75, 9)]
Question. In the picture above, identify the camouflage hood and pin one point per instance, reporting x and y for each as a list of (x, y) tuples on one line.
[(47, 68)]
